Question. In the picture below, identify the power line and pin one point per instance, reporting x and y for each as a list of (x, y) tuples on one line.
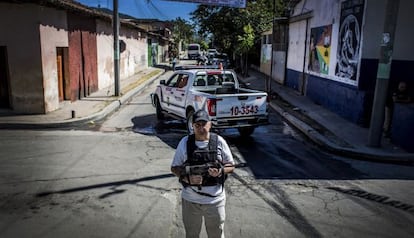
[(158, 10), (137, 8)]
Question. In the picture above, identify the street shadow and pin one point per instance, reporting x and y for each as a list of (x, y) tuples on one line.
[(169, 130), (276, 152), (286, 159), (163, 66), (112, 186), (380, 199), (282, 204)]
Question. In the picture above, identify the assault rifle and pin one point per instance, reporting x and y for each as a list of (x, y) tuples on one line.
[(201, 169)]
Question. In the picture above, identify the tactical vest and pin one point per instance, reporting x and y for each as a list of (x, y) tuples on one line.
[(196, 156)]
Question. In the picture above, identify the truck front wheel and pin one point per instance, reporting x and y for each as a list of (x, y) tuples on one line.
[(246, 131), (158, 109), (189, 121)]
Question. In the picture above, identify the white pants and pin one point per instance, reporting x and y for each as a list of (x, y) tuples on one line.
[(214, 216)]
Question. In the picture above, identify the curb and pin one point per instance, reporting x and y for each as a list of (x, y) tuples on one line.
[(115, 105), (327, 145), (324, 143)]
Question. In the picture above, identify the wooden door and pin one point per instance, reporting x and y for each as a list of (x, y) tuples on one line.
[(63, 73), (59, 61), (4, 79)]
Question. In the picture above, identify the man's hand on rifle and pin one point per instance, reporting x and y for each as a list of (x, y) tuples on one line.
[(181, 171), (214, 172)]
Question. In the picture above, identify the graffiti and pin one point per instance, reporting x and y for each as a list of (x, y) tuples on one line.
[(349, 39), (320, 48)]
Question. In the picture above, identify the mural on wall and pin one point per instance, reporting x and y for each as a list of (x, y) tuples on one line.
[(320, 48), (349, 39)]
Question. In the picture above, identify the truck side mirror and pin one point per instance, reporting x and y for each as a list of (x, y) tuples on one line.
[(162, 82)]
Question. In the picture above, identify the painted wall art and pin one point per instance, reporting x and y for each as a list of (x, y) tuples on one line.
[(349, 39)]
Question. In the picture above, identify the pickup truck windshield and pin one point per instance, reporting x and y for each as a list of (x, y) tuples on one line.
[(193, 47), (213, 79)]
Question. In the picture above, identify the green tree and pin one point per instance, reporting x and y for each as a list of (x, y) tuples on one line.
[(226, 25), (245, 43), (183, 34), (203, 45)]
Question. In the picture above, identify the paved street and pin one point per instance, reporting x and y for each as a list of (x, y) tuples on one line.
[(112, 179), (100, 184)]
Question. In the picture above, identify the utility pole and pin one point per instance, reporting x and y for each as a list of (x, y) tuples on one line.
[(115, 23), (383, 73), (268, 80)]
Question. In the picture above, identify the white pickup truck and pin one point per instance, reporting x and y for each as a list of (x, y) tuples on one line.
[(216, 91)]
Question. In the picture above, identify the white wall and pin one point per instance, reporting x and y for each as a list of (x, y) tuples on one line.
[(374, 27), (135, 56), (404, 36), (296, 48), (132, 60), (105, 54), (52, 37), (325, 12), (29, 66)]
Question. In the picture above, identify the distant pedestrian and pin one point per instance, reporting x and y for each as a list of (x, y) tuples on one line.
[(174, 62), (401, 95), (202, 161)]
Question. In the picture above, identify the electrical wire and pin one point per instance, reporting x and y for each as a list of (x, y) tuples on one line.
[(152, 9), (163, 16)]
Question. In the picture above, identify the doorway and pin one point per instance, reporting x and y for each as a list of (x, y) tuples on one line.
[(63, 73), (4, 79), (279, 50)]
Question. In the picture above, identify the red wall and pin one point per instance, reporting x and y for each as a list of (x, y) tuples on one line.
[(82, 56)]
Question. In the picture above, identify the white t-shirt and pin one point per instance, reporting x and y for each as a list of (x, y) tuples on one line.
[(189, 193)]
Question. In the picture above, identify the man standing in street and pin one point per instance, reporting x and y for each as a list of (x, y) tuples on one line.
[(202, 161)]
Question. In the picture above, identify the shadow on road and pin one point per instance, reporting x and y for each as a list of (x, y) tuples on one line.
[(112, 185), (272, 152)]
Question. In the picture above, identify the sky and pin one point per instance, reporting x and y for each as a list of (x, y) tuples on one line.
[(148, 9)]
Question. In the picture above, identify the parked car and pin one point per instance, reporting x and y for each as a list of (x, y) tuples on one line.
[(211, 52), (220, 58)]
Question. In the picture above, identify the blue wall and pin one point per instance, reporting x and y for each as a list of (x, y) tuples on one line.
[(292, 78), (343, 99), (402, 129), (355, 103), (400, 71)]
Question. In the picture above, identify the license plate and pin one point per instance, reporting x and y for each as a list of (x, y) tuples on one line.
[(244, 110)]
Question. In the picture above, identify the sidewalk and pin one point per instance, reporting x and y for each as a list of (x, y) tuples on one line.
[(86, 110), (325, 128), (328, 130)]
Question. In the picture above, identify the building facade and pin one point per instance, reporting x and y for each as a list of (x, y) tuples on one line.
[(332, 57), (61, 50)]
